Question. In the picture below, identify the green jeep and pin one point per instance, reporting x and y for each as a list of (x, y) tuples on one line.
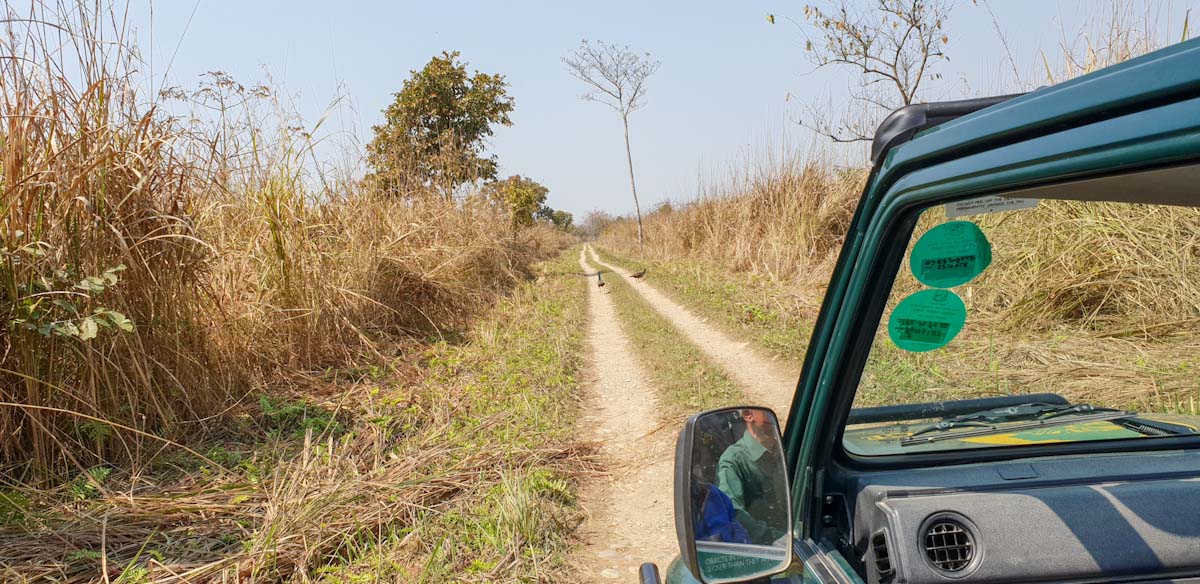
[(1000, 386)]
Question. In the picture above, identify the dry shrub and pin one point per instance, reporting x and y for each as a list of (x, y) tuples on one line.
[(314, 288), (1116, 32), (90, 184), (1111, 268), (156, 269), (458, 463), (785, 218)]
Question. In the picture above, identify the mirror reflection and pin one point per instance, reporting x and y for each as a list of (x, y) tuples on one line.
[(739, 494)]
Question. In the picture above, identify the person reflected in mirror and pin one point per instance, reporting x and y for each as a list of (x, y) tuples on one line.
[(714, 517), (747, 473)]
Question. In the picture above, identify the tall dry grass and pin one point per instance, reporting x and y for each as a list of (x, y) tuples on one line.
[(1117, 31), (156, 269), (784, 217), (1111, 269), (456, 465), (91, 186)]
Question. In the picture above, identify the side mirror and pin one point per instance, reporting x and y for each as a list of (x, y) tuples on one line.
[(733, 513)]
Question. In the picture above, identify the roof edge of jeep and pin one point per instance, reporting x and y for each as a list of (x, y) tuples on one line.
[(903, 124)]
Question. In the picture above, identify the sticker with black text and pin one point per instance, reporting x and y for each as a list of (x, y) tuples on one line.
[(927, 320), (988, 204), (950, 255)]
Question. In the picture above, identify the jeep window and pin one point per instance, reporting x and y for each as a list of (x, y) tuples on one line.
[(1063, 320)]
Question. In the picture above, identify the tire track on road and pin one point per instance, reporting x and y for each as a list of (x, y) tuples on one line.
[(630, 513), (765, 382)]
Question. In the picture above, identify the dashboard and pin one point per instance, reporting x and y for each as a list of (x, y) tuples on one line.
[(1131, 517)]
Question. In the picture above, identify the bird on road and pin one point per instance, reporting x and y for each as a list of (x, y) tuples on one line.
[(639, 274), (599, 280)]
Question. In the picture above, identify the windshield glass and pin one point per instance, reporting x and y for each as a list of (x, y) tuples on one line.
[(1025, 321)]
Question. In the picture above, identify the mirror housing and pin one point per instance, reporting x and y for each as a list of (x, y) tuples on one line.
[(743, 509), (648, 574)]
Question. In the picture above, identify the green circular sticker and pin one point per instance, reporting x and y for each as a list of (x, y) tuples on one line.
[(950, 255), (927, 320)]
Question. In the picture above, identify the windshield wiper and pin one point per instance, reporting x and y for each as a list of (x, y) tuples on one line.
[(1154, 427), (1030, 411), (1037, 415)]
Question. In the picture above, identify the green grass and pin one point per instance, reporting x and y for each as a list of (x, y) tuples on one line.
[(773, 317), (686, 381)]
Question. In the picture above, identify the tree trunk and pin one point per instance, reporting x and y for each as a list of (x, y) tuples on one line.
[(633, 186)]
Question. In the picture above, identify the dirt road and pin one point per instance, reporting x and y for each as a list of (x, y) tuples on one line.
[(630, 511), (764, 382)]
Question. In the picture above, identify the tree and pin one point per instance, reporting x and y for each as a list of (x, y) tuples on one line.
[(616, 77), (521, 196), (892, 46), (562, 219), (434, 132), (595, 222)]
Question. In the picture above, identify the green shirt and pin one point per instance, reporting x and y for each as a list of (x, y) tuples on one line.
[(745, 473)]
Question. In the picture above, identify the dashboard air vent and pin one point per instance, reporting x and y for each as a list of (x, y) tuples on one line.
[(949, 546), (883, 561)]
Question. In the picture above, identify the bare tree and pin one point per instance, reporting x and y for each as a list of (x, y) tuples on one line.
[(616, 77), (595, 222), (892, 45)]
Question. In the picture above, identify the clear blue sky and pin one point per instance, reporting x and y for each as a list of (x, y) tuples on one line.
[(718, 98)]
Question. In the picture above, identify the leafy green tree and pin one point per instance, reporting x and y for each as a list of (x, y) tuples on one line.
[(434, 132), (555, 217), (521, 196), (562, 219)]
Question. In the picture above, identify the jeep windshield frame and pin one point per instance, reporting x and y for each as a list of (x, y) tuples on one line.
[(1141, 114)]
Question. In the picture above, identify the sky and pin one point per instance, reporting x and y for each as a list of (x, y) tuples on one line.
[(729, 88)]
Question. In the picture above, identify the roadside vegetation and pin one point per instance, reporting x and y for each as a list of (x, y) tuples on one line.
[(754, 253), (783, 219), (228, 359), (453, 461), (687, 381)]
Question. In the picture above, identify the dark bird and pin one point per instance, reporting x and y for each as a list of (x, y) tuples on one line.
[(599, 280), (639, 274)]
